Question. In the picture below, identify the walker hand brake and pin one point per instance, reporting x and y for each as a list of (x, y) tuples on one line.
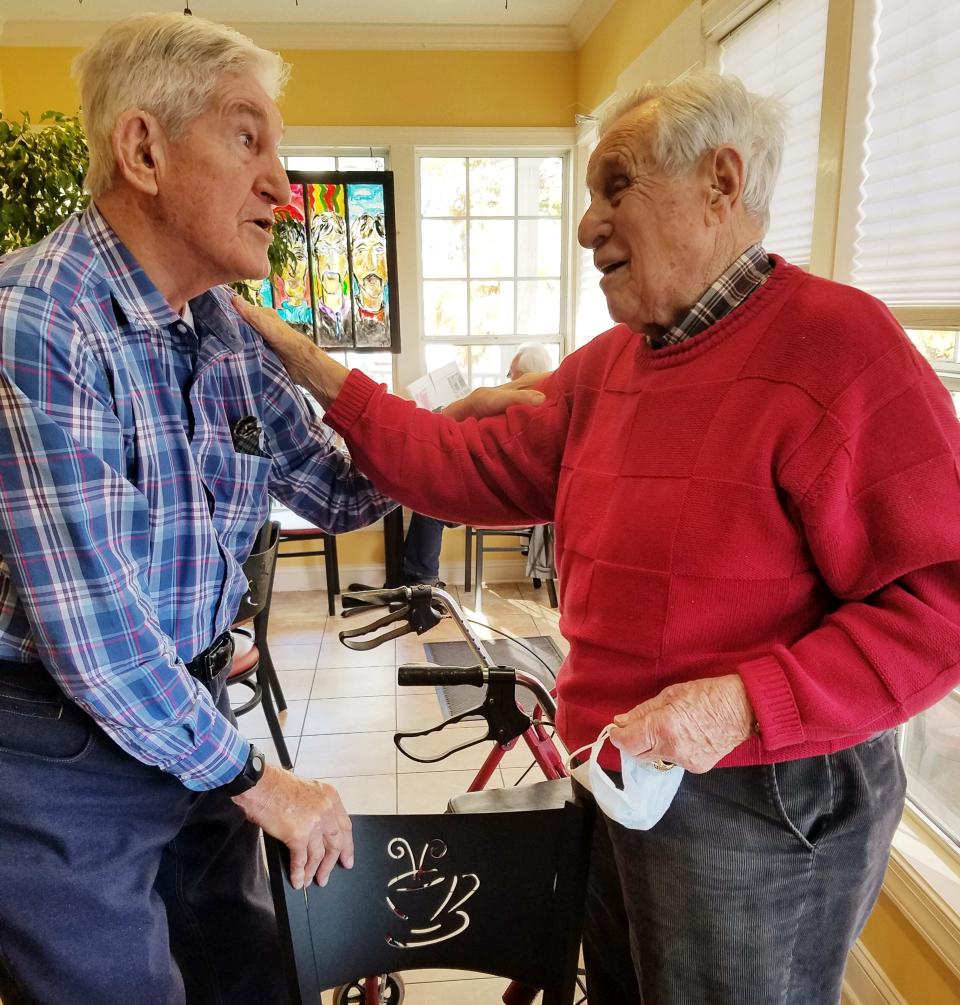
[(409, 605), (505, 719)]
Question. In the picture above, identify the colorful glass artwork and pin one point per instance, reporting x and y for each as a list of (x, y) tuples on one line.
[(339, 290), (368, 264), (292, 298)]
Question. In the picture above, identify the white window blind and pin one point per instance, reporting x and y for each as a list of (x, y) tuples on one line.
[(908, 234), (779, 52)]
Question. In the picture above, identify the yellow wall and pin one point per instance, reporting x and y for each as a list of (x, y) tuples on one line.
[(37, 79), (908, 961), (399, 88), (629, 27)]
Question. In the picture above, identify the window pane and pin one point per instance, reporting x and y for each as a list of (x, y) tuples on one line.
[(486, 366), (538, 247), (360, 163), (938, 345), (539, 186), (492, 186), (312, 163), (931, 756), (444, 309), (377, 366), (491, 247), (444, 249), (491, 308), (440, 353), (443, 186), (538, 307)]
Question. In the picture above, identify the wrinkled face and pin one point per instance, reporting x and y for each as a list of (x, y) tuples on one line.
[(223, 181), (648, 230)]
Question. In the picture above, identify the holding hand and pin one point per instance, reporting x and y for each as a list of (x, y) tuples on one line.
[(694, 724), (308, 817)]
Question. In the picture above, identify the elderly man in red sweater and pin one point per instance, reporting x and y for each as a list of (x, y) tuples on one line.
[(741, 473)]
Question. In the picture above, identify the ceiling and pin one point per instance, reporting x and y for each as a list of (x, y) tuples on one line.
[(533, 24)]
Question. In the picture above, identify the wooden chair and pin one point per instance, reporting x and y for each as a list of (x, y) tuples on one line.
[(295, 528), (481, 535), (252, 664), (496, 893)]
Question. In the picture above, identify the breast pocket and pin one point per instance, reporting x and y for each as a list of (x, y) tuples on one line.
[(237, 485)]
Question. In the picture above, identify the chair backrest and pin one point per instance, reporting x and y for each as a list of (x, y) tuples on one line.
[(494, 893), (260, 569)]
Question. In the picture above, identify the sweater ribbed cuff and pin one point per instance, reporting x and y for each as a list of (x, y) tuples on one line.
[(773, 703), (350, 402)]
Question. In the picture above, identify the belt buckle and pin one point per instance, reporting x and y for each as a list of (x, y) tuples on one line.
[(217, 657)]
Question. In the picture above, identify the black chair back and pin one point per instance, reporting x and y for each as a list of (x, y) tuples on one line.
[(494, 893), (260, 569)]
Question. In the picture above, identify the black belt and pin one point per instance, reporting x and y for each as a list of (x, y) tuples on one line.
[(213, 660)]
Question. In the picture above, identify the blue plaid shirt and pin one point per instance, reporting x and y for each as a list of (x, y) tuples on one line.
[(125, 511)]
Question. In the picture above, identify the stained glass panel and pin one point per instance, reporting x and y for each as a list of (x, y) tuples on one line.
[(341, 289)]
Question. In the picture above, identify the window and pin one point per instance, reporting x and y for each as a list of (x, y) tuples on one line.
[(491, 259), (780, 52), (906, 251), (908, 227)]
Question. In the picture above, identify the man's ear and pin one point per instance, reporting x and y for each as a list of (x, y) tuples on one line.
[(724, 171), (138, 149)]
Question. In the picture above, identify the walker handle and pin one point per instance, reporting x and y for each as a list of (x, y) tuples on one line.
[(411, 674)]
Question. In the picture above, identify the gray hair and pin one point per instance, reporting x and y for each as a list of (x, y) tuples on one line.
[(166, 64), (703, 111), (532, 357)]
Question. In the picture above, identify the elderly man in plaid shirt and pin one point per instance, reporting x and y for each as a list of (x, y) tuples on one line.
[(130, 805)]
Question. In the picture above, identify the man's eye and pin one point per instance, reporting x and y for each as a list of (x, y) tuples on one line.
[(246, 139), (617, 185)]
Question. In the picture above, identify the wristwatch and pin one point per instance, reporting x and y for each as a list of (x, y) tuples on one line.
[(250, 773)]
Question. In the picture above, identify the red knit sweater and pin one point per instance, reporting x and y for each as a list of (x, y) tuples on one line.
[(779, 496)]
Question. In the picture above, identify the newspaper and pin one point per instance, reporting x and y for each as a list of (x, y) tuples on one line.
[(438, 387)]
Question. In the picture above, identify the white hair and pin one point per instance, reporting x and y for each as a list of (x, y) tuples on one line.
[(703, 111), (165, 64), (532, 357)]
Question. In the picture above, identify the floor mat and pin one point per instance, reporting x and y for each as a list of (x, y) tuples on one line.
[(506, 652)]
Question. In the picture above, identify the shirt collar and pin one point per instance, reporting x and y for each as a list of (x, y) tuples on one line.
[(139, 299), (745, 275)]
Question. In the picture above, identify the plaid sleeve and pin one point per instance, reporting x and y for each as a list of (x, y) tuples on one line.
[(311, 474), (74, 543)]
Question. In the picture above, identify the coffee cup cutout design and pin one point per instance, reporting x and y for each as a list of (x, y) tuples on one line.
[(425, 902)]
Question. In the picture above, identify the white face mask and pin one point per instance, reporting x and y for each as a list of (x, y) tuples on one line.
[(647, 790)]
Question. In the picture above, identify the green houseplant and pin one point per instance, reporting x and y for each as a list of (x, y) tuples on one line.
[(41, 176), (41, 183)]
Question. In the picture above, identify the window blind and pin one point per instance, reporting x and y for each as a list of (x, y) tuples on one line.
[(779, 52), (908, 233)]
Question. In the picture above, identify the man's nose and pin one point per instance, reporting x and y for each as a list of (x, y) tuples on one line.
[(276, 185), (593, 228)]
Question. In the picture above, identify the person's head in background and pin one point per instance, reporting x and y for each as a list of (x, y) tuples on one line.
[(530, 358), (182, 125)]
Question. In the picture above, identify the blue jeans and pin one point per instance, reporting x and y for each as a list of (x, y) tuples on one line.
[(421, 549), (117, 884), (752, 888)]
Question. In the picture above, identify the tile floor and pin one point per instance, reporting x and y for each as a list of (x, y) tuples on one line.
[(344, 707)]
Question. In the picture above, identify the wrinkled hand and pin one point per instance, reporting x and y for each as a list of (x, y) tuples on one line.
[(307, 365), (694, 724), (484, 401), (307, 816)]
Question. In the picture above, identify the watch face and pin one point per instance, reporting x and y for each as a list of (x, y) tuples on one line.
[(258, 762)]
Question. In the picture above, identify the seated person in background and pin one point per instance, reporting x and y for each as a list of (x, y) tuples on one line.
[(421, 546)]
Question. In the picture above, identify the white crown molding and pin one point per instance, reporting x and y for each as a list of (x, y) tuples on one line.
[(279, 35), (865, 981), (589, 14)]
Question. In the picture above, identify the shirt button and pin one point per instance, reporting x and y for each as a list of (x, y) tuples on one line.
[(182, 329)]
